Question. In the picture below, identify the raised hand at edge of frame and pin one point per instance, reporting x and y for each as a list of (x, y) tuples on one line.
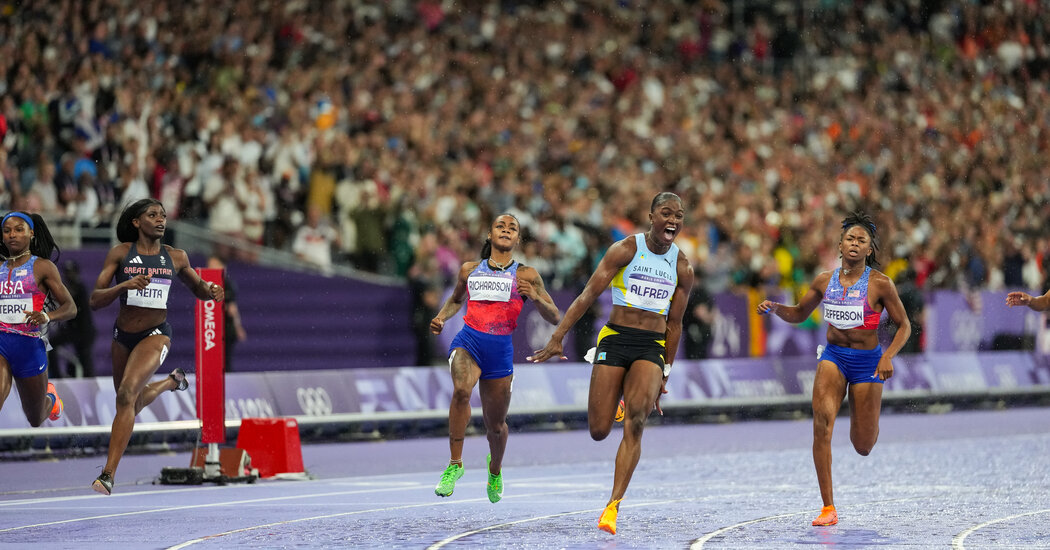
[(552, 349)]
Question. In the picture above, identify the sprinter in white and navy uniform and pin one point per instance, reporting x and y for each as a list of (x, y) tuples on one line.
[(143, 269), (30, 288), (482, 353), (650, 280), (854, 297), (158, 268)]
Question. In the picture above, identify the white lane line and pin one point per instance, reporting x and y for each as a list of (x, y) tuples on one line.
[(194, 506), (959, 541), (355, 512), (465, 534), (371, 481), (698, 544), (401, 487)]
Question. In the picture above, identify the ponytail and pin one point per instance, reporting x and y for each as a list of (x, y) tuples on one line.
[(42, 244)]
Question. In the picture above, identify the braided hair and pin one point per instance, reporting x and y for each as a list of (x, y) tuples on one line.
[(42, 245), (861, 218), (126, 231)]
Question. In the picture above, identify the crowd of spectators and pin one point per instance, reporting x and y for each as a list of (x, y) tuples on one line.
[(387, 134)]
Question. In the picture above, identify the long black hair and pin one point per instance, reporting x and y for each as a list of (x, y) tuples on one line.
[(486, 249), (42, 244), (861, 218), (126, 231)]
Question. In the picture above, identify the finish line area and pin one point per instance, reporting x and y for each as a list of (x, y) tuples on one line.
[(965, 479)]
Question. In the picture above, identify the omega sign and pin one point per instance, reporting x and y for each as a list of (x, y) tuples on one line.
[(209, 324)]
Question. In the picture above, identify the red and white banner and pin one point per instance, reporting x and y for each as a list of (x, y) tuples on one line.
[(211, 390)]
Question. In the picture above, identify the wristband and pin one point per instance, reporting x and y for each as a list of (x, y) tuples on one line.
[(667, 370), (47, 318)]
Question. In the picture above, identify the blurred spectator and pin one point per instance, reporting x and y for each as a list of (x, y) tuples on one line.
[(78, 332), (772, 118), (698, 321), (314, 240), (427, 284), (914, 306)]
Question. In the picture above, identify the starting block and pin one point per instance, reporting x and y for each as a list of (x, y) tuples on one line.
[(234, 466), (273, 444)]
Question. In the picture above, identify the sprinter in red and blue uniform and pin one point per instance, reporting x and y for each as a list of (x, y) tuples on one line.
[(495, 289), (29, 286)]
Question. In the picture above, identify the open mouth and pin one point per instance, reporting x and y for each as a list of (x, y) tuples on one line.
[(670, 231)]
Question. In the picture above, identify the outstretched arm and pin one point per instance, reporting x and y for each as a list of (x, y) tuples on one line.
[(799, 312), (1036, 303), (618, 255), (455, 300)]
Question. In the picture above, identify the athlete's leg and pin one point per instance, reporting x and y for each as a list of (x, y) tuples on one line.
[(465, 374), (865, 404), (495, 401), (829, 388), (6, 378), (641, 386), (139, 366), (33, 393), (155, 388), (606, 387)]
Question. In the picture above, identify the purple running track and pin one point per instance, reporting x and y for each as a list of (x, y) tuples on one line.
[(961, 480)]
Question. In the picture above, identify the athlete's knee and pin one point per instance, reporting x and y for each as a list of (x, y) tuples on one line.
[(822, 426), (863, 449), (497, 431), (35, 420), (864, 445), (126, 397), (461, 395), (598, 433), (634, 424)]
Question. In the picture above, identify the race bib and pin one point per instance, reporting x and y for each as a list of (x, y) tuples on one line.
[(154, 296), (489, 288), (13, 308), (648, 292), (844, 316)]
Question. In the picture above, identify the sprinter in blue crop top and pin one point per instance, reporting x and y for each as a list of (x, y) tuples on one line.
[(854, 297), (651, 279), (144, 269)]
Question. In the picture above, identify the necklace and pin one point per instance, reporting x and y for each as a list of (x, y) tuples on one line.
[(24, 253), (653, 247), (498, 265)]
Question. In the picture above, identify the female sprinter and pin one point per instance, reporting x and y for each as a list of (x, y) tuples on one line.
[(495, 289), (853, 362), (144, 269), (651, 279), (28, 281)]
